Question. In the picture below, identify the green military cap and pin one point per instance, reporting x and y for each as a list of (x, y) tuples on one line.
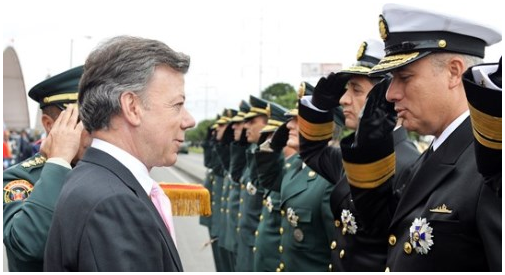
[(276, 117), (428, 32), (258, 107), (58, 90), (227, 115), (244, 108)]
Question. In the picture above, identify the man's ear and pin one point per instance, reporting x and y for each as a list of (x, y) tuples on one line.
[(131, 106), (47, 122), (456, 67)]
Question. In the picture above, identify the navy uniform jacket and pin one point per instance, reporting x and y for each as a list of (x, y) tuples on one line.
[(444, 196), (105, 221), (31, 190), (365, 249)]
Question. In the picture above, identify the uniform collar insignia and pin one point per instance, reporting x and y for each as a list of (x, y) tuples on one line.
[(441, 209)]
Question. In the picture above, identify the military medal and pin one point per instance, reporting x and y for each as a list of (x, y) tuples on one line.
[(421, 236), (269, 205), (251, 189), (348, 222), (292, 217)]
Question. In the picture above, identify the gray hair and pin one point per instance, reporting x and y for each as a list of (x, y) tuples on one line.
[(123, 63), (439, 60)]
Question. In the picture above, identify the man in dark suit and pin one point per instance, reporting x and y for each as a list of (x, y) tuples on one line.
[(439, 213), (131, 100)]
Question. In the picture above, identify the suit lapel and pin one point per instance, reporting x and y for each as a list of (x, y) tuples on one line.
[(432, 172), (108, 162)]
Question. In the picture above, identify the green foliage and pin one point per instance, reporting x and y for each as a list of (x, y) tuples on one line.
[(197, 134), (281, 93)]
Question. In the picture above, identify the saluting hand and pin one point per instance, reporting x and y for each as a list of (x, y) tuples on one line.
[(63, 140), (328, 91), (378, 118)]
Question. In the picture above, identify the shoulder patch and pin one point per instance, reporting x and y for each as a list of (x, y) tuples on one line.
[(17, 190)]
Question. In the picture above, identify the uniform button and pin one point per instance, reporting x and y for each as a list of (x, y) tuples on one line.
[(213, 203), (337, 223), (283, 213), (222, 198), (254, 249), (333, 245), (407, 248), (280, 248), (227, 211), (277, 270), (213, 193), (224, 187), (330, 267), (213, 182), (312, 174), (239, 215), (256, 233), (261, 217), (222, 210), (342, 253), (281, 230), (387, 269), (238, 229), (264, 202), (227, 199), (241, 200), (242, 187), (281, 266), (231, 187), (392, 239)]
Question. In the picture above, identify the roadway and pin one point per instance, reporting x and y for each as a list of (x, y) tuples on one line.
[(191, 236)]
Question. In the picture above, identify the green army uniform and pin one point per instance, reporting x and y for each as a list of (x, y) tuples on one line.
[(251, 198), (217, 189), (236, 170), (207, 146), (268, 234), (307, 221), (271, 168), (223, 153), (32, 188)]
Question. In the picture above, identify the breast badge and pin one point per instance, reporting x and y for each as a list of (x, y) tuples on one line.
[(348, 222), (421, 237)]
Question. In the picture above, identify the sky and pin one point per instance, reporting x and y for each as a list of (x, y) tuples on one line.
[(237, 48)]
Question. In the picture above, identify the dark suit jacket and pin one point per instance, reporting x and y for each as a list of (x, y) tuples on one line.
[(105, 221)]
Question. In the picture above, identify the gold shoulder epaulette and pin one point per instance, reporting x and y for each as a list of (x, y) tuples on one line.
[(33, 162)]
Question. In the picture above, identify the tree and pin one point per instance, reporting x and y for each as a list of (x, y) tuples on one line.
[(197, 134), (281, 93)]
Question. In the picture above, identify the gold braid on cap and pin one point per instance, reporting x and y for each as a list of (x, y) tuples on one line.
[(60, 97), (361, 50)]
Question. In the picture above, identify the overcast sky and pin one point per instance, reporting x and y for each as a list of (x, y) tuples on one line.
[(228, 41)]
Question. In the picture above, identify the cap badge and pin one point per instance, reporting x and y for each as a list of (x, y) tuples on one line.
[(348, 222), (292, 217), (361, 51), (383, 28), (228, 113), (421, 235), (301, 90), (268, 110)]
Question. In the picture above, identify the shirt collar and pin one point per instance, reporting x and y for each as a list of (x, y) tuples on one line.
[(448, 131), (136, 167)]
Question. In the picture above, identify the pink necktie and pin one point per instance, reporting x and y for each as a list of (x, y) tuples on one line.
[(162, 204)]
